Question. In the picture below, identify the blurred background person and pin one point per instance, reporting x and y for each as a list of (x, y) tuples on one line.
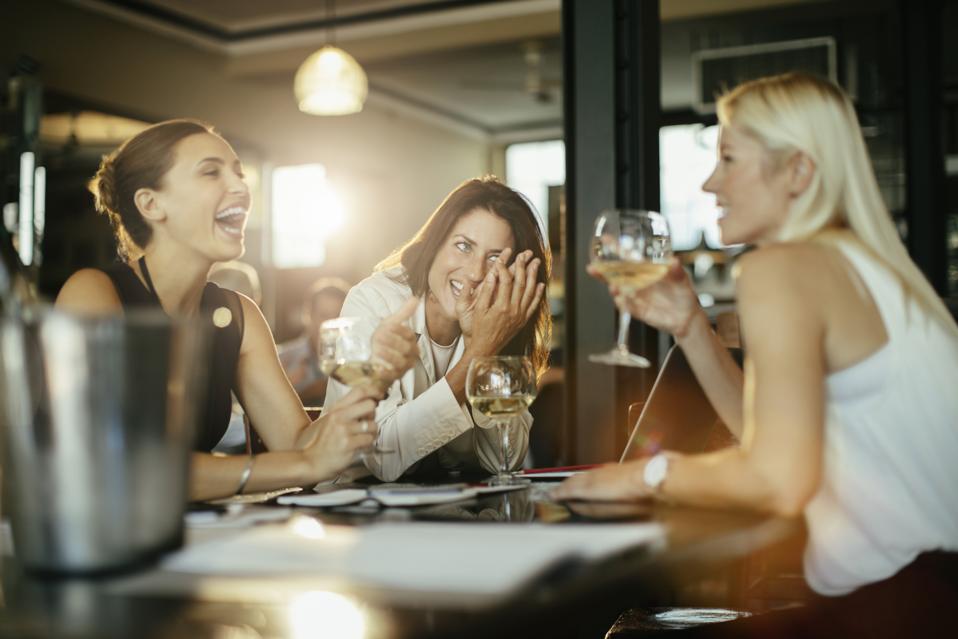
[(300, 356)]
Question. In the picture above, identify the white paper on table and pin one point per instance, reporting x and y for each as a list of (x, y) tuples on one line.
[(332, 498), (421, 495), (236, 516), (507, 488), (465, 559), (554, 474)]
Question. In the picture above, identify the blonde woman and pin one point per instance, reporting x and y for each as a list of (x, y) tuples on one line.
[(846, 411)]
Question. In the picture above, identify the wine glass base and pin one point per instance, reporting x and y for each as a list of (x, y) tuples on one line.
[(507, 480), (619, 358)]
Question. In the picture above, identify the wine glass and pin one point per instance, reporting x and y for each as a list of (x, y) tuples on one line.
[(631, 248), (345, 354), (501, 387)]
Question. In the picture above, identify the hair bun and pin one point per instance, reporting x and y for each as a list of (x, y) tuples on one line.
[(103, 187)]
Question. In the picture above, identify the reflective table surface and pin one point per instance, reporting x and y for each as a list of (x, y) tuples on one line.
[(579, 599)]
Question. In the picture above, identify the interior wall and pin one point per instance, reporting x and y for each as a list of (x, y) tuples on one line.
[(391, 169)]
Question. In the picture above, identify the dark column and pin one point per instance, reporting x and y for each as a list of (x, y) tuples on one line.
[(611, 77), (924, 163), (638, 107)]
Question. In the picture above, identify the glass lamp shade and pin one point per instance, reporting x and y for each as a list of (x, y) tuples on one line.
[(330, 82)]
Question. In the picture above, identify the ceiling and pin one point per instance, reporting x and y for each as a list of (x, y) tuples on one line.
[(486, 68), (491, 68)]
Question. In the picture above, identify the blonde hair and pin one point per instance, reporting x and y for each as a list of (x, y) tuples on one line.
[(802, 113)]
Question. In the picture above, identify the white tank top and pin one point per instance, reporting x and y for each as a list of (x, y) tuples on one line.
[(890, 479)]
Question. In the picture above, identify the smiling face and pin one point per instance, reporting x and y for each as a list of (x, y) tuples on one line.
[(204, 201), (473, 244), (753, 193)]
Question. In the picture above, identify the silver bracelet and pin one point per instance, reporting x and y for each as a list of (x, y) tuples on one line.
[(247, 471)]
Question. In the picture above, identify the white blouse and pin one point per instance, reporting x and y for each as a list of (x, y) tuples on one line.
[(420, 414), (890, 481)]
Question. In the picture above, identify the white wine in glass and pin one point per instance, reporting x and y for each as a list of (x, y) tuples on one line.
[(356, 373), (631, 249), (345, 355), (501, 387)]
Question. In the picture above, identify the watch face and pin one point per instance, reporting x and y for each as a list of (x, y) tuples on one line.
[(655, 470)]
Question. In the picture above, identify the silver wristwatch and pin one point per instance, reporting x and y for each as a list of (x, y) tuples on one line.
[(655, 471)]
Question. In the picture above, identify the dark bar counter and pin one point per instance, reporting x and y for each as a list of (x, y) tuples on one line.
[(571, 599)]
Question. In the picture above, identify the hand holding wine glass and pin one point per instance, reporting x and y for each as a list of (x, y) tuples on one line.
[(346, 356), (668, 305), (342, 435), (631, 250), (500, 388)]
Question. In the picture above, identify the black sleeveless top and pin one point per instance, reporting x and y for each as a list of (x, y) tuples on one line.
[(214, 420)]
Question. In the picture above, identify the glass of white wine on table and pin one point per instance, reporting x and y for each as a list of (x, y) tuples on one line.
[(346, 355), (501, 387), (631, 248)]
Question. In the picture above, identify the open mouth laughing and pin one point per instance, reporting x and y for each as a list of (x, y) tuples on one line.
[(232, 221)]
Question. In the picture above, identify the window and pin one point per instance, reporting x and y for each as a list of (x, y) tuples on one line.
[(687, 155), (306, 211), (532, 168)]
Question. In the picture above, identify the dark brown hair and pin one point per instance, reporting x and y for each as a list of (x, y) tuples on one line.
[(489, 194), (140, 162)]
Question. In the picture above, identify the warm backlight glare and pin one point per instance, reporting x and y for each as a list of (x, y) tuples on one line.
[(306, 211), (308, 527), (325, 614)]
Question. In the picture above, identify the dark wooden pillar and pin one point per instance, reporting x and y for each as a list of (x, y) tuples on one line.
[(611, 66), (924, 162)]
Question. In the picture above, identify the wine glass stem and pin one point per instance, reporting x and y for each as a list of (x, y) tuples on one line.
[(503, 448), (625, 320)]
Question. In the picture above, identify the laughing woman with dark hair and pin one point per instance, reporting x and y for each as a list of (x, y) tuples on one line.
[(476, 300), (178, 201)]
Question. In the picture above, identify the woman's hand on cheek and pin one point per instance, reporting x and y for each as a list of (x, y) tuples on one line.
[(505, 301)]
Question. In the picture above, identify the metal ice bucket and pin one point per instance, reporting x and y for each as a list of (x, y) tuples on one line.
[(98, 418)]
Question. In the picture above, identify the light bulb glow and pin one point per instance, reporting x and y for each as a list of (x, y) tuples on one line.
[(330, 82)]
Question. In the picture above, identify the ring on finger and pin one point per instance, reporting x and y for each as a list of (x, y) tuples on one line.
[(364, 426)]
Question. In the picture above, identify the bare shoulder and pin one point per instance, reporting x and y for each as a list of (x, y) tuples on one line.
[(784, 283), (89, 291), (784, 269), (256, 331)]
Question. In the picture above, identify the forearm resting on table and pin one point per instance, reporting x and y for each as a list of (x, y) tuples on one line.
[(719, 375), (218, 476), (730, 478)]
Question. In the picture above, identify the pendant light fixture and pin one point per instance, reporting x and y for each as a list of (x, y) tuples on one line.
[(330, 81)]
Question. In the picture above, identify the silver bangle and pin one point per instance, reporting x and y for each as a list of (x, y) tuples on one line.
[(244, 478)]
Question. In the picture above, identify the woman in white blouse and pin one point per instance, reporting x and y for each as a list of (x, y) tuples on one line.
[(847, 411), (479, 267)]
